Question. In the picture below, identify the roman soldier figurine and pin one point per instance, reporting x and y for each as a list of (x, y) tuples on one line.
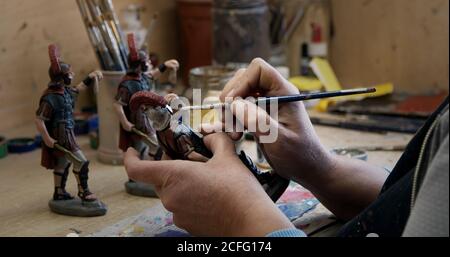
[(55, 121), (180, 142), (176, 139), (136, 129)]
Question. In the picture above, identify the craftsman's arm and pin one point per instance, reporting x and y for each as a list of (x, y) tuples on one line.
[(124, 122), (42, 129)]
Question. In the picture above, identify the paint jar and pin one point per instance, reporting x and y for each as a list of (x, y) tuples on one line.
[(21, 145), (210, 79), (240, 31), (3, 147)]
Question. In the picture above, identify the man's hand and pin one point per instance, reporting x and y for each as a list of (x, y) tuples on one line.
[(343, 185), (297, 142), (217, 198)]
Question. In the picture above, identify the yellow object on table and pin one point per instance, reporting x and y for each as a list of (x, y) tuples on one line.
[(327, 77), (325, 73), (306, 83)]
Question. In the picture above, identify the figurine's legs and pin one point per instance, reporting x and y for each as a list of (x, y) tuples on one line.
[(81, 170), (142, 149), (60, 175), (155, 153)]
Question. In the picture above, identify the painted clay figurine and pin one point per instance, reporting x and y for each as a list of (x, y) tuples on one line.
[(136, 128), (55, 121), (177, 140), (180, 142)]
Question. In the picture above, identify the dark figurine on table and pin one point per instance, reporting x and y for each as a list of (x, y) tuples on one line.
[(136, 128), (55, 121), (180, 142)]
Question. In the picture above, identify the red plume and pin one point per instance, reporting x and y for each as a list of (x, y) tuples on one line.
[(147, 98), (53, 53), (134, 55)]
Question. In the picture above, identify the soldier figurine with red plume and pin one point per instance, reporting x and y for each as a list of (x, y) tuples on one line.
[(136, 129), (55, 122)]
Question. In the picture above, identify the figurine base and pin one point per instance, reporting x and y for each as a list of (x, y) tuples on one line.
[(78, 208), (140, 189)]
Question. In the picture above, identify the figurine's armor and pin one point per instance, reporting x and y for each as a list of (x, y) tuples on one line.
[(134, 85), (62, 121), (131, 85), (181, 142)]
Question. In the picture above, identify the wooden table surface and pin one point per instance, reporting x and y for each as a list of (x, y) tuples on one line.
[(26, 187)]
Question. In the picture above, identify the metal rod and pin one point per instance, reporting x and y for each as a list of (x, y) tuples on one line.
[(100, 48), (107, 34), (111, 16)]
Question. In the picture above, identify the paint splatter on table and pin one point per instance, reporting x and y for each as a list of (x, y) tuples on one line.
[(158, 222)]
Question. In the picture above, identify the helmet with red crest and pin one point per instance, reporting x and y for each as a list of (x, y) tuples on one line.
[(146, 98), (137, 58), (58, 70)]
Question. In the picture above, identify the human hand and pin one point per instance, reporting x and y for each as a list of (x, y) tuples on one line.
[(217, 198), (297, 141)]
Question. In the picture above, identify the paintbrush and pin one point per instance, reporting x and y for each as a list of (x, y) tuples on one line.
[(288, 98)]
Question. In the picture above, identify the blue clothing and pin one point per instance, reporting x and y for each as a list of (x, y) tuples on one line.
[(291, 232)]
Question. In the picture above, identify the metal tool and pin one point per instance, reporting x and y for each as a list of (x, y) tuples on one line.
[(103, 55), (289, 98), (110, 15), (107, 34)]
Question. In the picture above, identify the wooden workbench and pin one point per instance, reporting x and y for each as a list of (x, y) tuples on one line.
[(26, 187)]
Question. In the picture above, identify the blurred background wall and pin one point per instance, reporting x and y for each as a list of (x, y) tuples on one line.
[(401, 41), (372, 41), (26, 29)]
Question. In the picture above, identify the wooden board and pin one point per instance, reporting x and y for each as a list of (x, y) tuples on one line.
[(25, 187), (401, 41)]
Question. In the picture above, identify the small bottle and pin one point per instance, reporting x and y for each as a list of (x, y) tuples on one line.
[(317, 47), (305, 70)]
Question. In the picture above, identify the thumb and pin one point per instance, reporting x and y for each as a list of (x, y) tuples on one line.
[(151, 172), (253, 118)]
